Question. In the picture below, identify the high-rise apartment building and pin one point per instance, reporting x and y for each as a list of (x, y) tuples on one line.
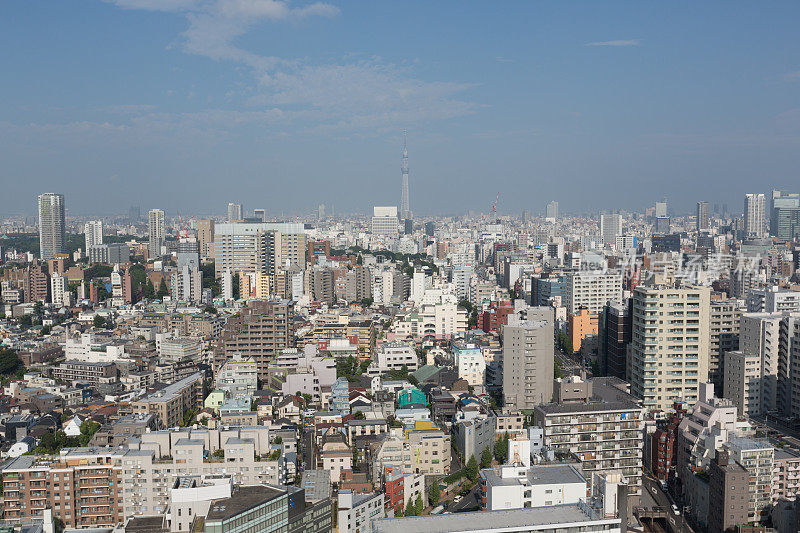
[(155, 229), (754, 215), (235, 212), (702, 223), (610, 227), (669, 344), (258, 247), (260, 331), (604, 432), (205, 236), (784, 216), (384, 222), (528, 349), (58, 290), (592, 290), (724, 337), (759, 344), (93, 233), (728, 500), (51, 225)]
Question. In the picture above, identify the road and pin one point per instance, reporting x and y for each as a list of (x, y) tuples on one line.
[(568, 365), (470, 502), (676, 522)]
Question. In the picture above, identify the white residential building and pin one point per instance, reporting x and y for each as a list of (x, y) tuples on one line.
[(470, 362), (592, 290), (93, 233), (58, 290), (393, 356), (356, 511), (519, 487)]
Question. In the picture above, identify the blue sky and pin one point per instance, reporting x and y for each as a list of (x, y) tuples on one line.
[(190, 104)]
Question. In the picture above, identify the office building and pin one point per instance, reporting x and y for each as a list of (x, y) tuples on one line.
[(669, 344), (592, 290), (235, 212), (51, 225), (583, 326), (784, 220), (662, 225), (384, 222), (773, 300), (610, 227), (551, 212), (661, 209), (754, 215), (156, 231), (616, 325), (260, 215), (702, 223), (109, 254), (528, 349), (93, 233)]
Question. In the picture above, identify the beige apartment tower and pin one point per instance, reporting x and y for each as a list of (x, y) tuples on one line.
[(669, 349)]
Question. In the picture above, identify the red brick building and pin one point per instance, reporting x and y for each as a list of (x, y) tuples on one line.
[(664, 445), (496, 316), (393, 487)]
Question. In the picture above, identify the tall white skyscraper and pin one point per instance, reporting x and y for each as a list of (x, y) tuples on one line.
[(405, 206), (754, 215), (155, 227), (661, 208), (51, 225), (703, 223), (610, 227), (234, 212), (93, 231), (552, 211)]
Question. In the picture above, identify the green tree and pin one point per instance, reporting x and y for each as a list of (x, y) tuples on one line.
[(486, 458), (162, 289), (9, 361), (410, 509), (434, 494), (99, 322), (366, 302), (358, 415), (210, 309), (149, 290), (472, 468), (418, 505), (501, 449), (26, 320)]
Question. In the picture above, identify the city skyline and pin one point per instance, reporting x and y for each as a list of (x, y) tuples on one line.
[(313, 98)]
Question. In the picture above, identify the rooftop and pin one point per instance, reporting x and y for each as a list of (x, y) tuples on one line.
[(524, 519), (537, 475), (593, 406), (240, 501)]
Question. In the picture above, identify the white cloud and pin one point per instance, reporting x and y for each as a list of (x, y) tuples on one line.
[(628, 42), (350, 95)]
